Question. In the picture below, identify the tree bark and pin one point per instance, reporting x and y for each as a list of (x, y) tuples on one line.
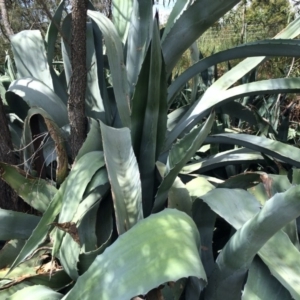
[(76, 101), (4, 15)]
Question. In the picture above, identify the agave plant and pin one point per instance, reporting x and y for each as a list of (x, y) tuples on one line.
[(134, 216)]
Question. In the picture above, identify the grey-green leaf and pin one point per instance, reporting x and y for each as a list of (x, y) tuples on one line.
[(124, 176), (159, 249), (30, 56), (35, 93), (179, 155), (16, 225), (281, 151), (40, 292)]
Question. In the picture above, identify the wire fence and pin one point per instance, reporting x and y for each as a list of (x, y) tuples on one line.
[(218, 39)]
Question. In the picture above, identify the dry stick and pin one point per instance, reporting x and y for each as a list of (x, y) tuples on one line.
[(4, 15)]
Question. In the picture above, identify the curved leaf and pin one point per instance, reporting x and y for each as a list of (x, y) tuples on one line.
[(34, 93), (16, 225), (267, 48), (121, 12), (230, 157), (191, 24), (74, 188), (281, 151), (116, 63), (124, 176), (283, 261), (204, 104), (30, 56), (159, 249), (179, 155), (31, 125), (52, 32), (38, 292), (50, 41), (39, 234), (234, 260), (139, 37), (149, 117), (232, 76), (36, 192), (261, 285)]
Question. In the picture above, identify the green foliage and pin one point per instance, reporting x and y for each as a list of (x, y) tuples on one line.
[(144, 201)]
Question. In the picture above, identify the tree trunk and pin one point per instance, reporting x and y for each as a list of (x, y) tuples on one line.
[(76, 102), (4, 15)]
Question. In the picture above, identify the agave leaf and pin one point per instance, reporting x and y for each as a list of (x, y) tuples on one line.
[(34, 191), (282, 47), (28, 268), (86, 214), (174, 290), (229, 78), (52, 31), (37, 291), (198, 187), (149, 117), (30, 56), (203, 105), (9, 252), (179, 155), (226, 202), (193, 22), (283, 261), (16, 225), (235, 258), (121, 13), (87, 258), (175, 116), (31, 126), (230, 157), (65, 47), (4, 294), (58, 280), (124, 176), (205, 219), (241, 181), (281, 151), (116, 63), (87, 227), (93, 101), (241, 112), (169, 238), (28, 92), (50, 40), (9, 67), (177, 10), (139, 37), (75, 187), (93, 140), (39, 234), (107, 102), (195, 81), (69, 251), (77, 182), (104, 234), (273, 184), (179, 197), (261, 285)]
